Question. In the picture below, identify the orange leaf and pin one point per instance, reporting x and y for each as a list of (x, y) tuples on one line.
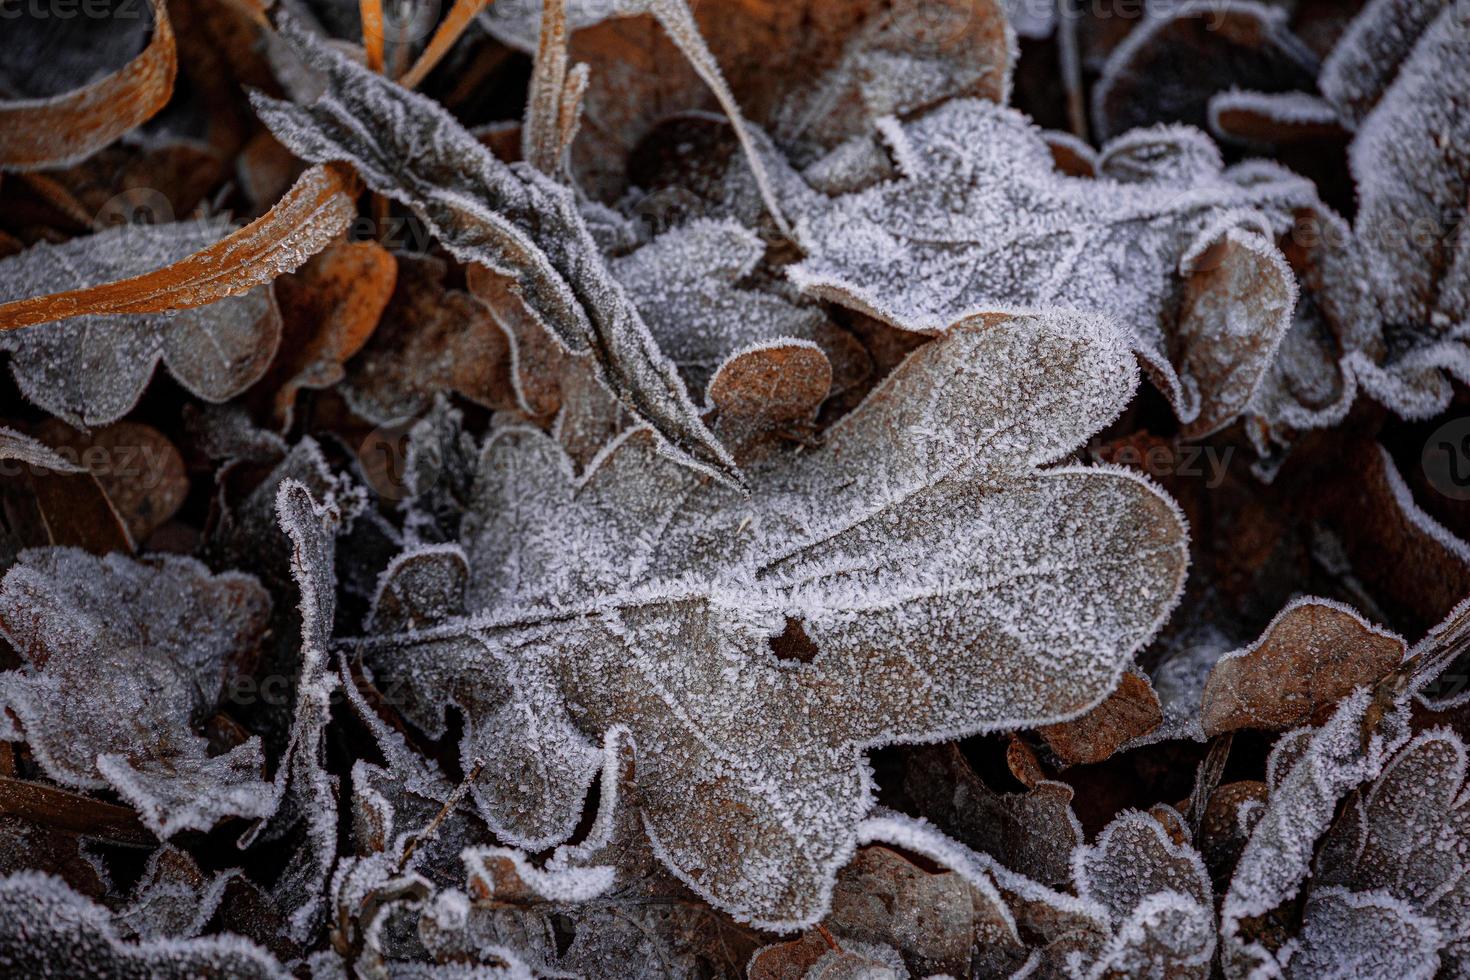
[(65, 128), (317, 208)]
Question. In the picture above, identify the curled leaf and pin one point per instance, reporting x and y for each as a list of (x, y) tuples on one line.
[(516, 221), (64, 128), (1314, 652), (90, 369)]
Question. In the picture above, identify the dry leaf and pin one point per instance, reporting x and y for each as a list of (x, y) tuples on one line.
[(91, 370), (1132, 711), (982, 221), (485, 212), (1314, 652), (65, 127), (828, 548), (329, 310), (48, 929), (121, 657)]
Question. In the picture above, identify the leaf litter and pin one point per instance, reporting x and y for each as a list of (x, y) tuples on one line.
[(698, 514)]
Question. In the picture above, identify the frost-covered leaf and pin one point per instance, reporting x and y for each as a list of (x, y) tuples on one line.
[(1169, 66), (1132, 711), (1258, 118), (1157, 895), (686, 284), (1405, 274), (309, 216), (516, 221), (121, 659), (1362, 934), (1314, 652), (174, 899), (1032, 833), (306, 790), (46, 929), (1309, 771), (660, 611), (605, 906), (981, 221), (1406, 848), (899, 62), (1368, 55), (53, 128), (90, 370)]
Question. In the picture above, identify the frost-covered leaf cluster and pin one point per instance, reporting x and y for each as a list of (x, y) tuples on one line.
[(644, 489)]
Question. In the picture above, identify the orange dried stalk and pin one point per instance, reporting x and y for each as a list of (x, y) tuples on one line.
[(460, 16), (318, 207)]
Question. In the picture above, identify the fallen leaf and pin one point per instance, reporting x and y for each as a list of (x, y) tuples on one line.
[(1169, 66), (1132, 711), (317, 208), (46, 928), (1314, 652), (567, 628), (982, 221), (432, 338), (329, 310), (91, 370), (120, 657), (517, 222), (136, 465)]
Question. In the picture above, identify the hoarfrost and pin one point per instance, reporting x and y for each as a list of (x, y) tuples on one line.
[(685, 284), (46, 929), (1405, 275), (514, 220), (953, 589), (90, 370), (121, 657), (983, 221)]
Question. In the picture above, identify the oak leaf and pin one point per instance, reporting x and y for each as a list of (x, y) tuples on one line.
[(920, 583)]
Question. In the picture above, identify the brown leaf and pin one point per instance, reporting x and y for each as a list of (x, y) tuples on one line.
[(329, 309), (54, 131), (61, 504), (1033, 833), (1314, 652), (138, 468), (431, 338), (1129, 712)]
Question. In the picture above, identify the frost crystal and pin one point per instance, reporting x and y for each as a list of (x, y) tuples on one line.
[(982, 221), (90, 370), (952, 589)]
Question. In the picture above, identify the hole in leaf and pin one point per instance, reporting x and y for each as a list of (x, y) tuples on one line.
[(793, 643)]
